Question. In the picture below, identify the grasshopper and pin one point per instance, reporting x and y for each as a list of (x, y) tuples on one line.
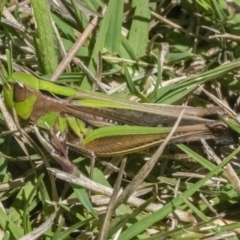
[(118, 127)]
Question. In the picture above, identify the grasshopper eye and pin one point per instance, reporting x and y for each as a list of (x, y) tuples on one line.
[(20, 92)]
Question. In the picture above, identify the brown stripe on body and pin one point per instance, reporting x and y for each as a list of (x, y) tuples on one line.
[(46, 104), (125, 144)]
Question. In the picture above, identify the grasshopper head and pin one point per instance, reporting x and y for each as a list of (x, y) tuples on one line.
[(18, 93)]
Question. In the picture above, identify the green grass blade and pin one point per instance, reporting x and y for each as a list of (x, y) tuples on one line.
[(114, 15), (138, 35), (8, 225), (168, 208), (47, 41)]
